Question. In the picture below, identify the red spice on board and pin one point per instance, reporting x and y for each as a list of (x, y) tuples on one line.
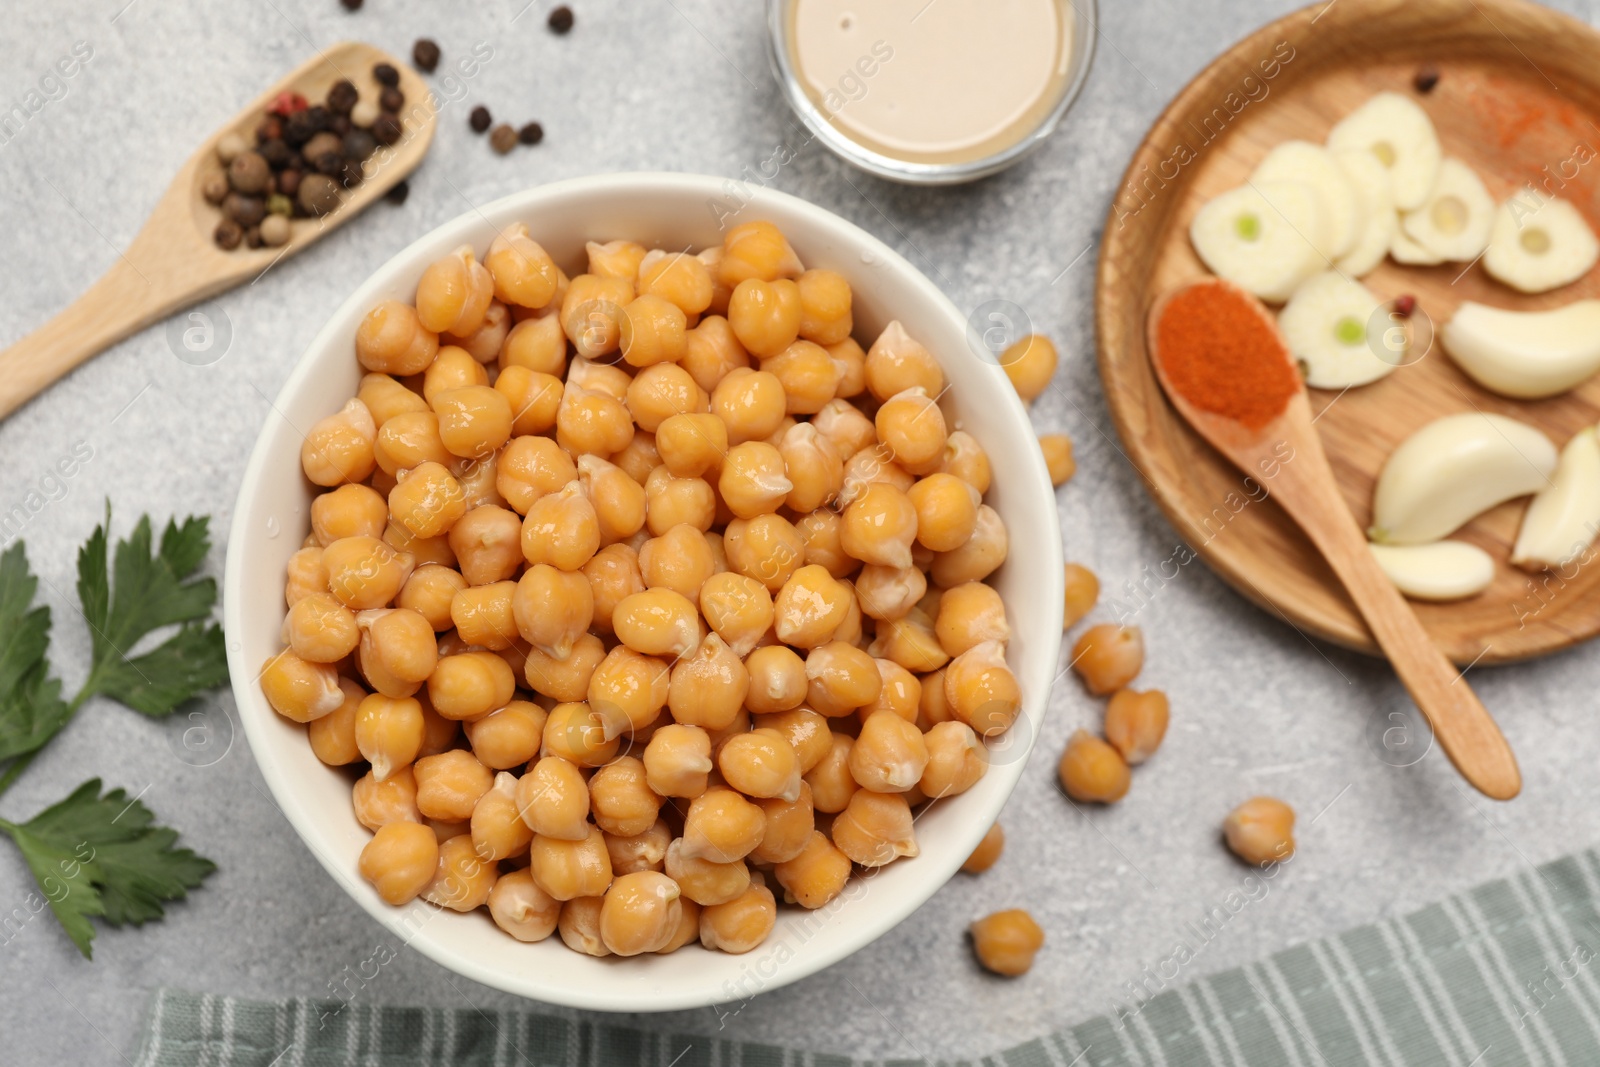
[(1219, 351)]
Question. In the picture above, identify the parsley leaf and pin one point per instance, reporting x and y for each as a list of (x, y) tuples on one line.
[(150, 591), (95, 855), (31, 708)]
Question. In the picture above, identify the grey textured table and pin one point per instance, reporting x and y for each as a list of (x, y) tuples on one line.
[(683, 85)]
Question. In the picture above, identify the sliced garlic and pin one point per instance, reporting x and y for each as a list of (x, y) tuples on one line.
[(1525, 354), (1454, 222), (1564, 516), (1314, 166), (1375, 195), (1535, 247), (1326, 325), (1400, 134), (1261, 237), (1453, 469), (1402, 249), (1439, 570)]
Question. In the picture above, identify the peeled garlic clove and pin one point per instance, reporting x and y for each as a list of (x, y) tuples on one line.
[(1453, 469), (1375, 195), (1402, 249), (1454, 222), (1314, 166), (1535, 247), (1400, 135), (1442, 570), (1525, 354), (1565, 515), (1326, 326), (1262, 237)]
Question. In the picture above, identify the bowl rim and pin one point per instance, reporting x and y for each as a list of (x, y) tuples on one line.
[(258, 718), (1081, 57)]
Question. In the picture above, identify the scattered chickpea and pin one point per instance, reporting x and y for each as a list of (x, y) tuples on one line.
[(1260, 831), (1030, 364), (1058, 459), (1108, 657), (987, 854), (1092, 771), (1082, 590), (1007, 941), (1136, 722)]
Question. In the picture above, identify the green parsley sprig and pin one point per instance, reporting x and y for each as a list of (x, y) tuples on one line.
[(94, 853)]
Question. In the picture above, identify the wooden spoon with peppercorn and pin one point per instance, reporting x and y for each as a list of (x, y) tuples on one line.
[(190, 248), (1226, 369)]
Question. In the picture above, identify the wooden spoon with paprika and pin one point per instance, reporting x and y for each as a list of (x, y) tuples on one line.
[(1224, 366)]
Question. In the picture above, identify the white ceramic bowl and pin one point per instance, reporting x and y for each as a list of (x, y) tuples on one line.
[(272, 518)]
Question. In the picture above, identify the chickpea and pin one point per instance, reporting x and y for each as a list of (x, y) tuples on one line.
[(537, 345), (832, 784), (825, 316), (398, 650), (778, 679), (639, 457), (677, 761), (981, 689), (979, 557), (520, 908), (711, 352), (1260, 831), (889, 593), (896, 362), (1082, 590), (319, 629), (498, 829), (947, 511), (671, 502), (661, 391), (765, 315), (568, 869), (379, 803), (879, 526), (421, 549), (910, 642), (622, 802), (846, 426), (1092, 771), (933, 708), (389, 733), (988, 851), (453, 368), (912, 426), (722, 826), (740, 924), (966, 459), (400, 861), (641, 852), (439, 734), (409, 440), (614, 575), (841, 678), (508, 736), (1108, 657), (628, 690), (348, 511), (808, 375), (1136, 723), (750, 403), (810, 607), (678, 278), (453, 294), (579, 926), (658, 622), (463, 880), (708, 686), (450, 785), (652, 331), (484, 343), (392, 340), (1030, 364), (688, 931), (591, 313), (427, 501), (333, 736), (767, 548), (812, 464), (531, 468), (299, 689), (817, 875), (692, 443), (385, 397), (957, 760), (1058, 459), (890, 754), (523, 272), (487, 542), (306, 574), (567, 679), (578, 733), (875, 829), (704, 881), (618, 500), (340, 448), (761, 764), (970, 614), (470, 684), (590, 419), (641, 913), (561, 529), (756, 250), (1007, 941)]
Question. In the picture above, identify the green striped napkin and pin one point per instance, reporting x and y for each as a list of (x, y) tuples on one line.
[(1498, 976)]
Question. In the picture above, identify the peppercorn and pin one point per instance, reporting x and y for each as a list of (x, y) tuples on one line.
[(270, 129), (276, 153), (561, 19), (532, 133), (340, 125), (248, 172), (245, 210), (323, 142), (391, 99), (386, 129), (230, 146), (425, 54), (351, 5), (398, 192), (350, 174), (342, 96), (287, 103), (278, 204), (1426, 79), (1404, 305), (319, 194), (386, 74), (364, 114), (252, 237), (503, 139), (289, 182), (214, 186), (481, 119), (275, 230), (359, 144), (319, 116), (299, 128), (228, 234), (329, 163)]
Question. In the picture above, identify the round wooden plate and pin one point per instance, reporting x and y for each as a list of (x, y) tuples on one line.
[(1517, 98)]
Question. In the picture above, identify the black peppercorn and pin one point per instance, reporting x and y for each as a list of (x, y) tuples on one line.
[(269, 130), (342, 96), (425, 54), (398, 192), (329, 163), (276, 153), (561, 19), (252, 237), (532, 133), (299, 128), (503, 139), (351, 5), (319, 116), (387, 129), (386, 74), (481, 119), (289, 182), (350, 174), (245, 210), (228, 234), (1426, 79), (340, 125), (391, 99), (359, 144), (318, 194)]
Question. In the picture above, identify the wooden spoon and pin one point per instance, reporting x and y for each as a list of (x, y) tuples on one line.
[(1285, 456), (173, 262)]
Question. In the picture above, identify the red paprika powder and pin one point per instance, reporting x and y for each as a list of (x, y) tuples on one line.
[(1221, 353)]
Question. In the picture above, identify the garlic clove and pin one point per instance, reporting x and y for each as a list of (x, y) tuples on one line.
[(1536, 247), (1564, 516), (1454, 222), (1326, 325), (1375, 193), (1396, 131), (1453, 469), (1525, 354), (1314, 166), (1262, 237), (1440, 570)]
